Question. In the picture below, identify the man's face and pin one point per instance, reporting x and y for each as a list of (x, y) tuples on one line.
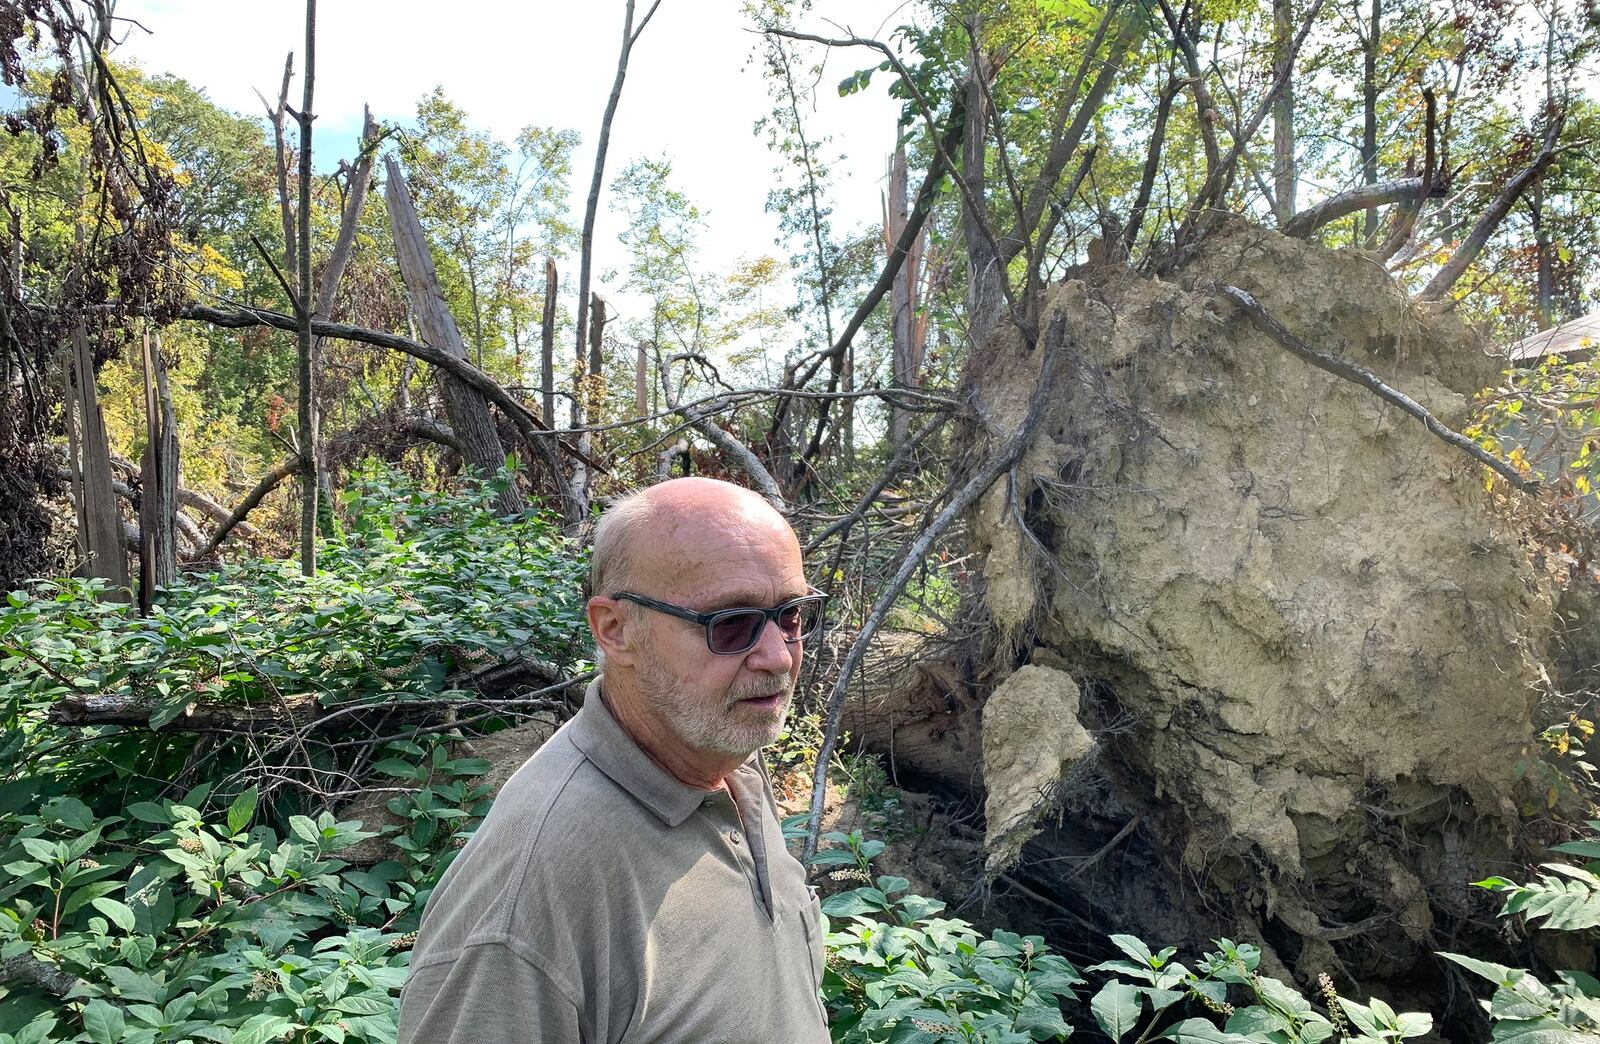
[(723, 704)]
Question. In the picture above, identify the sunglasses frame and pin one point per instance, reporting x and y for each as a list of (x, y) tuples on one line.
[(709, 620)]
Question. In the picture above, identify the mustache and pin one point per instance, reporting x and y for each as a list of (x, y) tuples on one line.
[(760, 688)]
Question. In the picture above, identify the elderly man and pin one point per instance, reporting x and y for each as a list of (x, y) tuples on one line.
[(631, 883)]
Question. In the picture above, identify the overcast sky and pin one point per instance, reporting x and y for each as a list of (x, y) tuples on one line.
[(693, 91)]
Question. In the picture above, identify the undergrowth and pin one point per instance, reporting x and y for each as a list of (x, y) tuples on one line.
[(135, 908)]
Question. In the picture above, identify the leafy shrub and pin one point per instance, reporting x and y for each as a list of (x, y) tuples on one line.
[(1522, 1008)]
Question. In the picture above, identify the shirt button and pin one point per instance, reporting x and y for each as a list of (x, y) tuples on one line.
[(733, 835)]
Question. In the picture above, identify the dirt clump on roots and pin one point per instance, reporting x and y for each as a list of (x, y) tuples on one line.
[(1307, 645)]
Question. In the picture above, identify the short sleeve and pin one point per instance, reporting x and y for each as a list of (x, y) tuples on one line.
[(488, 994)]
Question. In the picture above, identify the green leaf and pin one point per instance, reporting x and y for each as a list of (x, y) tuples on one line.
[(149, 812), (1116, 1008), (1199, 1031), (103, 1021), (242, 811), (1498, 974), (261, 1029), (1532, 1031), (120, 913)]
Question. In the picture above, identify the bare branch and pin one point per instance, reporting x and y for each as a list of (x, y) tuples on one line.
[(912, 559), (1372, 382)]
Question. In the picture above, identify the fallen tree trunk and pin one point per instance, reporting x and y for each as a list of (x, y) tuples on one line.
[(466, 405), (497, 683)]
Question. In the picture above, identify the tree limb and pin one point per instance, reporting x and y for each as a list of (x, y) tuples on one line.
[(1348, 202), (1490, 219), (1372, 382)]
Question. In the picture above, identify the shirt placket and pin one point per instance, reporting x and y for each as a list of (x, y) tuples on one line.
[(747, 851)]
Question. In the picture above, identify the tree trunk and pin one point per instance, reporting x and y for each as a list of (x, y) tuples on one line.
[(308, 354), (1369, 108), (641, 383), (595, 393), (902, 298), (630, 36), (984, 296), (547, 347), (1283, 168), (467, 408), (158, 504), (1541, 238), (99, 518)]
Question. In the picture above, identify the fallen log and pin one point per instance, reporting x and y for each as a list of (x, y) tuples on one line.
[(499, 683)]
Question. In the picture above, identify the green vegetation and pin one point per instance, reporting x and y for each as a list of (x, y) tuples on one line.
[(143, 910)]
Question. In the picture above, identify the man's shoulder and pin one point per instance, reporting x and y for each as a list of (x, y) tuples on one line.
[(553, 820)]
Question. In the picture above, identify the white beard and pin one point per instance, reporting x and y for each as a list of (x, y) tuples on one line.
[(707, 723)]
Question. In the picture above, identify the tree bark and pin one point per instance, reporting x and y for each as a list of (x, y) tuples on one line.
[(1349, 201), (902, 298), (306, 311), (547, 347), (1369, 111), (99, 518), (158, 503), (985, 298), (466, 406), (1283, 166)]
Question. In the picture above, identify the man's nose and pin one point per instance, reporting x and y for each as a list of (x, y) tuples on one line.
[(771, 652)]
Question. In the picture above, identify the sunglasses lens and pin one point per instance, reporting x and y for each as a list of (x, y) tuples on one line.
[(736, 632), (798, 621)]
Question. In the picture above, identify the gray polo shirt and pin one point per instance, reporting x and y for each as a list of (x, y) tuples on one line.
[(603, 900)]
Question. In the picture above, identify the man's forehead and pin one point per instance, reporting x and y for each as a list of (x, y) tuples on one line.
[(730, 563)]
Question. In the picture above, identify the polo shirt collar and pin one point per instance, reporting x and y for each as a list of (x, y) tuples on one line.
[(596, 733)]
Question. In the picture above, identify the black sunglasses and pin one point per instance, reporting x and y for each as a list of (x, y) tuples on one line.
[(733, 631)]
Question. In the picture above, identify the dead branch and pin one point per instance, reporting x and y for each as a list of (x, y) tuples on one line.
[(1372, 382), (527, 422), (268, 483), (912, 559), (306, 713), (25, 967), (1490, 219), (1348, 202)]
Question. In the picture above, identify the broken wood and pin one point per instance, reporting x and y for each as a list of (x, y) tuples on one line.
[(467, 407), (508, 676), (158, 502)]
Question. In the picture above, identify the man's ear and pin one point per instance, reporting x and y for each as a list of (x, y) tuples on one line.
[(612, 626)]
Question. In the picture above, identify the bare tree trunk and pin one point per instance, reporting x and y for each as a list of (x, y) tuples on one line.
[(630, 36), (641, 383), (902, 297), (99, 518), (333, 272), (1369, 109), (158, 503), (467, 407), (1152, 164), (1283, 166), (597, 362), (985, 299), (305, 306), (547, 346)]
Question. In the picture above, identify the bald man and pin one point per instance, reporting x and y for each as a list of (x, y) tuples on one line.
[(631, 882)]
